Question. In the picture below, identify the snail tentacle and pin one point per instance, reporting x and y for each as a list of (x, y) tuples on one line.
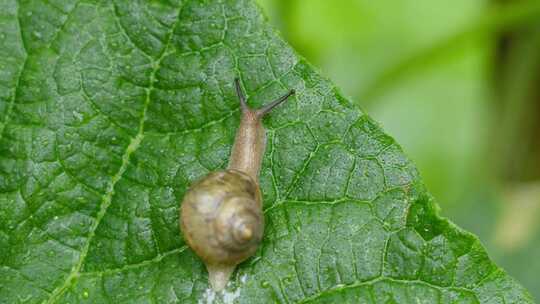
[(241, 96), (271, 105), (265, 109)]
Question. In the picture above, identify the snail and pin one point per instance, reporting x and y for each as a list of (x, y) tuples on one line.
[(221, 214)]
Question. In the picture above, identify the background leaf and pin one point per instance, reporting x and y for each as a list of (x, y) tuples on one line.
[(110, 110)]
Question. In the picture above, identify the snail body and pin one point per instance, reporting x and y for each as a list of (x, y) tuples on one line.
[(221, 215)]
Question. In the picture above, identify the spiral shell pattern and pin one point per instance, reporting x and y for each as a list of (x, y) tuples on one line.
[(221, 217)]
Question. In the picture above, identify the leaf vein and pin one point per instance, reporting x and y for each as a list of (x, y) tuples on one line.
[(107, 197)]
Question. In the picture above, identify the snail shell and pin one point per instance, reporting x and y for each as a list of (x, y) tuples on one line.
[(222, 219), (221, 214)]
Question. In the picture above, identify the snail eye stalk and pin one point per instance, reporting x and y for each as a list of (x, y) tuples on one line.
[(262, 111)]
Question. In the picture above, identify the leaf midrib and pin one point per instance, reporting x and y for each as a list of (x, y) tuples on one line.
[(134, 144)]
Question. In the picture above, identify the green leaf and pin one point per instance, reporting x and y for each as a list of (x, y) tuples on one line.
[(109, 110)]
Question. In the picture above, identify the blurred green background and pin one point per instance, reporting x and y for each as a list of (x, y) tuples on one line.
[(457, 83)]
